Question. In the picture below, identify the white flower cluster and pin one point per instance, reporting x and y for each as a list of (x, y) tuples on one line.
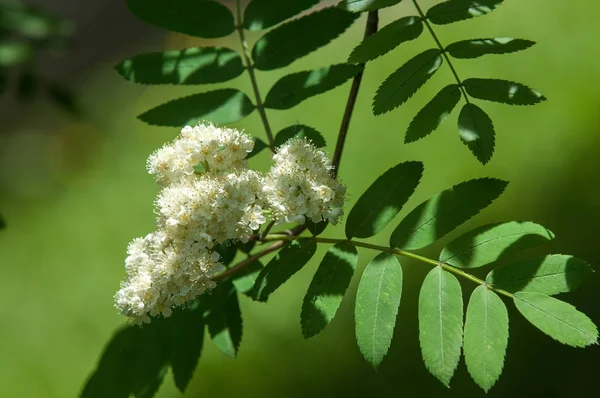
[(226, 201)]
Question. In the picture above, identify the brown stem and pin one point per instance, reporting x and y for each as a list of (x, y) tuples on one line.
[(275, 246)]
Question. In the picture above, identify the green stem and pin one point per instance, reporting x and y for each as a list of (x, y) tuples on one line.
[(442, 49), (250, 68)]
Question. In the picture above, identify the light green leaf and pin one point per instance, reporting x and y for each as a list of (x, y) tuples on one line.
[(262, 14), (503, 91), (480, 47), (300, 131), (383, 200), (14, 53), (366, 5), (259, 146), (201, 18), (557, 319), (434, 218), (283, 266), (294, 88), (225, 319), (406, 80), (220, 106), (440, 323), (377, 301), (459, 10), (195, 65), (552, 274), (433, 114), (476, 131), (486, 337), (297, 38), (492, 242), (386, 39), (187, 337), (245, 279), (327, 288)]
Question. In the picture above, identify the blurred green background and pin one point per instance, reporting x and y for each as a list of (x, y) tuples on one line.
[(74, 192)]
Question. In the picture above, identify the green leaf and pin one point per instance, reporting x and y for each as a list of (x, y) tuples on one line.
[(14, 53), (386, 39), (316, 228), (476, 131), (480, 47), (245, 279), (440, 323), (300, 131), (187, 337), (406, 80), (262, 14), (225, 319), (294, 88), (199, 18), (486, 337), (557, 319), (246, 247), (492, 242), (195, 65), (377, 301), (503, 91), (459, 10), (383, 200), (220, 106), (283, 266), (227, 251), (259, 146), (295, 39), (434, 218), (327, 288), (366, 5), (551, 274), (433, 114)]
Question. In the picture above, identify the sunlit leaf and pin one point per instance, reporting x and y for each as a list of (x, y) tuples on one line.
[(14, 53), (486, 337), (200, 18), (377, 301), (220, 106), (440, 323), (433, 114), (225, 319), (434, 218), (366, 5), (552, 274), (262, 14), (480, 47), (297, 38), (294, 88), (557, 319), (459, 10), (327, 288), (300, 131), (492, 242), (187, 337), (386, 39), (383, 200), (503, 91), (245, 279), (406, 80), (195, 65), (476, 131)]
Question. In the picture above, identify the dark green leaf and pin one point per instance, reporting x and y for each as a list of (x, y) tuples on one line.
[(479, 47), (383, 200), (405, 81), (459, 10), (377, 301), (195, 65), (187, 337), (294, 88), (245, 279), (492, 242), (476, 131), (557, 319), (327, 288), (295, 39), (225, 319), (246, 247), (440, 323), (486, 337), (262, 14), (259, 146), (552, 274), (300, 131), (220, 106), (433, 114), (388, 38), (283, 266), (14, 53), (366, 5), (227, 251), (64, 98), (200, 18), (434, 218), (318, 228), (503, 91)]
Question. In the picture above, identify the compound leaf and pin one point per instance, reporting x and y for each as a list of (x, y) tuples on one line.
[(459, 10), (300, 131), (262, 14), (504, 91), (480, 47), (225, 319), (366, 5), (433, 114), (476, 131), (187, 337), (245, 279)]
